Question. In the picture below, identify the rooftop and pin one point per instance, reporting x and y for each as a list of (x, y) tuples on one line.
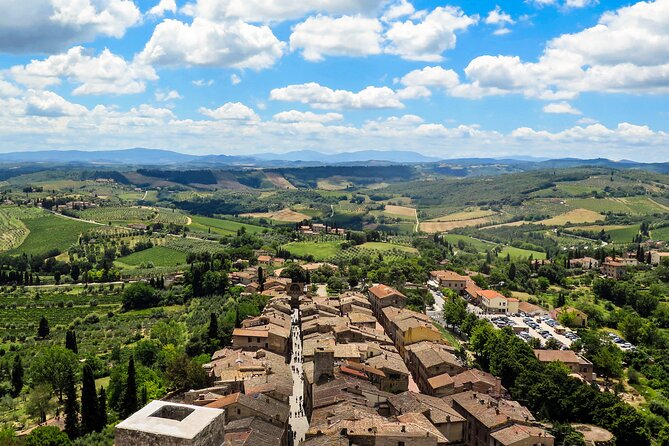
[(171, 419)]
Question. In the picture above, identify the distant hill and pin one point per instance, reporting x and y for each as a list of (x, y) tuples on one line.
[(394, 156)]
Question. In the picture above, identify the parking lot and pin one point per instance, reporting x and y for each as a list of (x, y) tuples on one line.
[(542, 328)]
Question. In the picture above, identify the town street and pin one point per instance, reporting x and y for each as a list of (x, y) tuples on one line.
[(298, 421)]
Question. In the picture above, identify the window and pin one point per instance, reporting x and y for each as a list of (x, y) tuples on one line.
[(400, 443), (250, 339)]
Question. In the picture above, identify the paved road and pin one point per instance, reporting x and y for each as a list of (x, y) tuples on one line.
[(298, 421)]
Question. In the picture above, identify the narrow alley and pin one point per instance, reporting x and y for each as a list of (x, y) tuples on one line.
[(298, 420)]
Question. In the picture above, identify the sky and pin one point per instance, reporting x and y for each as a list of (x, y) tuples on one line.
[(543, 78)]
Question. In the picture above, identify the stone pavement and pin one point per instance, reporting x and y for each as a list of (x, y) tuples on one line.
[(298, 421)]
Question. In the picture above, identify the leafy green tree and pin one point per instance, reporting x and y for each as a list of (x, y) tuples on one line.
[(71, 407), (294, 272), (455, 310), (17, 376), (39, 402), (43, 328), (171, 332), (51, 365), (89, 402), (129, 403), (47, 436), (140, 295), (183, 373)]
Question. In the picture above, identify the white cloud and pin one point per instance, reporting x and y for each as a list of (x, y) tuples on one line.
[(232, 111), (204, 43), (318, 96), (164, 96), (625, 52), (428, 38), (298, 116), (498, 17), (277, 10), (52, 25), (398, 9), (203, 82), (561, 108), (501, 20), (8, 89), (235, 80), (162, 7), (580, 3), (49, 104), (431, 77), (320, 36), (103, 74)]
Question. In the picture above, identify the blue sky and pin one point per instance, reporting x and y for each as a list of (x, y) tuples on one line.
[(580, 78)]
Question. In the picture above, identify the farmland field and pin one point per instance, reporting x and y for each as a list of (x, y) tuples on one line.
[(478, 244), (627, 205), (618, 233), (320, 250), (133, 214), (400, 211), (574, 216), (442, 226), (158, 256), (465, 215), (220, 226), (380, 246), (285, 215), (518, 253), (12, 230), (48, 232)]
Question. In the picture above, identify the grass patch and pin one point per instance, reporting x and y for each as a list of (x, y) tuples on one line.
[(448, 336), (478, 244), (319, 250), (220, 226), (517, 253), (158, 255), (384, 247)]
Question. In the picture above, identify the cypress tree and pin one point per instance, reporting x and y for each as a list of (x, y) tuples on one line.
[(89, 402), (17, 376), (43, 329), (71, 341), (102, 410), (212, 332), (71, 407), (129, 401)]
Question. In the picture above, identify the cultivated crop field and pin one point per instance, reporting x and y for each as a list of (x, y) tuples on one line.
[(517, 253), (618, 233), (400, 211), (158, 256), (628, 205), (284, 215), (319, 250), (478, 244), (442, 226), (465, 215), (134, 214), (12, 230), (386, 247), (48, 232), (220, 226), (575, 216)]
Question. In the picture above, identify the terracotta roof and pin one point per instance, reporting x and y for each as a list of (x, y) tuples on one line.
[(382, 291), (449, 275), (439, 381), (518, 432), (492, 412), (566, 356), (250, 332), (490, 294)]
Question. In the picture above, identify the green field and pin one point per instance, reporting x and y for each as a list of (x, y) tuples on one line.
[(627, 205), (220, 226), (618, 233), (320, 250), (48, 232), (384, 247), (517, 253), (158, 255), (660, 233), (478, 244)]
